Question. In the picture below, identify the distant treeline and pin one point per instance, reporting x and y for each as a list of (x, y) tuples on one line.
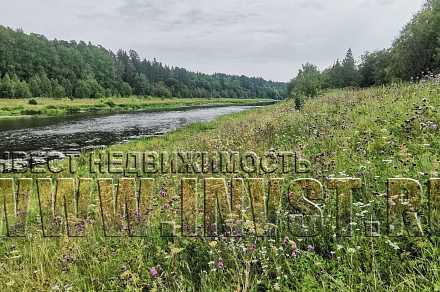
[(32, 66), (414, 54)]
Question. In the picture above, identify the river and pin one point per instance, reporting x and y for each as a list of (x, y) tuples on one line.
[(43, 138), (75, 133)]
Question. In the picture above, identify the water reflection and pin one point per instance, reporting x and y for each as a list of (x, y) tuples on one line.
[(75, 133)]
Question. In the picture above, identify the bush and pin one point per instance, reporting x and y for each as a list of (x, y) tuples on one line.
[(299, 102), (30, 112), (33, 102), (110, 103), (308, 83)]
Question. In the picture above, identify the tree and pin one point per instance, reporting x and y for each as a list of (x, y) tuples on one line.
[(45, 85), (34, 85), (349, 71), (22, 90), (374, 68), (141, 85), (333, 76), (125, 89), (83, 90), (161, 90), (56, 63), (57, 89), (416, 51), (308, 82), (7, 87)]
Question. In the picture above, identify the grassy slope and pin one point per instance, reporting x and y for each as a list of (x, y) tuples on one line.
[(58, 106), (374, 134)]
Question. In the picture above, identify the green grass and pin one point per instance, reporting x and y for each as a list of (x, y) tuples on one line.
[(10, 108), (373, 134)]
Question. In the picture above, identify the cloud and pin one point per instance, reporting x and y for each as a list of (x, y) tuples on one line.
[(312, 4), (254, 37)]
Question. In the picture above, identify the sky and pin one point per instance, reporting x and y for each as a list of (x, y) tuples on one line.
[(263, 38)]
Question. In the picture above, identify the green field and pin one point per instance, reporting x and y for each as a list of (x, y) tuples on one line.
[(373, 134), (61, 106)]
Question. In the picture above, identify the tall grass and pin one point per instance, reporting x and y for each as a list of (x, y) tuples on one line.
[(373, 134)]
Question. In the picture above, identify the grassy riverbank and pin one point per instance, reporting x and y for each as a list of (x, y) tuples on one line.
[(10, 108), (373, 134)]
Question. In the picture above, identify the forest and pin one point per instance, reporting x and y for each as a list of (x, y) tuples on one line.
[(33, 66), (414, 55)]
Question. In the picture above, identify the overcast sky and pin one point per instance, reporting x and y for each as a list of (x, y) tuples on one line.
[(267, 38)]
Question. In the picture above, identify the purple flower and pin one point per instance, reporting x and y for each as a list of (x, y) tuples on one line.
[(434, 126), (153, 272), (220, 264), (163, 192), (311, 248)]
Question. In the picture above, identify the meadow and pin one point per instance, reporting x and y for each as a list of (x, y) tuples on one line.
[(372, 134), (17, 107)]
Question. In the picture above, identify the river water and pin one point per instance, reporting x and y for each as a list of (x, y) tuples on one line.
[(74, 133)]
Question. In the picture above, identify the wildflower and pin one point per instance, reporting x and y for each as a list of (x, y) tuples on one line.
[(220, 264), (311, 248), (163, 192), (434, 126), (153, 272), (293, 253)]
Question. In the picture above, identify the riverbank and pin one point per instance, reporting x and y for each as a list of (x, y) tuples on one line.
[(372, 134), (22, 108)]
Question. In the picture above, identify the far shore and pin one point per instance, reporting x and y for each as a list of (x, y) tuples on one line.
[(49, 107)]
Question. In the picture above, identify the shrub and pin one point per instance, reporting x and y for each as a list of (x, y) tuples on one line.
[(33, 101), (110, 103), (308, 83)]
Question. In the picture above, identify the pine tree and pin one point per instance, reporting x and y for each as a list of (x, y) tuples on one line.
[(7, 87), (349, 71)]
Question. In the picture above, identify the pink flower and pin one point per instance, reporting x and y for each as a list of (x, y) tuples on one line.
[(293, 253), (220, 264), (153, 272)]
